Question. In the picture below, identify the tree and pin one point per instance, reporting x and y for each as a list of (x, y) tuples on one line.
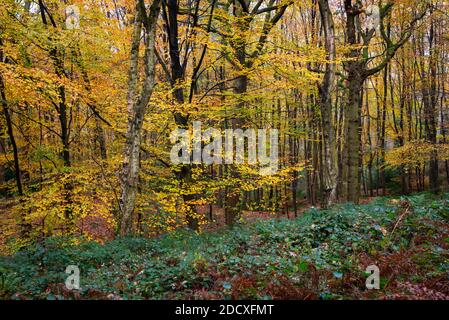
[(358, 70), (326, 91), (136, 107)]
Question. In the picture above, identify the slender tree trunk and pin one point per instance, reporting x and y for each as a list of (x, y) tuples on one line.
[(184, 175), (430, 94), (325, 89), (10, 130), (136, 107)]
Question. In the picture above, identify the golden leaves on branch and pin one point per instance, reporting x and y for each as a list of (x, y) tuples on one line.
[(416, 153)]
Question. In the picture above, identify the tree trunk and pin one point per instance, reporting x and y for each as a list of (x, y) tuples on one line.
[(353, 135), (184, 175), (130, 172), (10, 131), (325, 91)]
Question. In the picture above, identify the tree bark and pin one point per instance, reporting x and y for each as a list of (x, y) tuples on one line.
[(11, 135), (136, 107), (357, 72), (325, 91)]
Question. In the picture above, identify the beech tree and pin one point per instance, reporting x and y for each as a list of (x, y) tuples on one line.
[(137, 103)]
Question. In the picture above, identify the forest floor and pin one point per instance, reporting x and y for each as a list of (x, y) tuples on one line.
[(322, 254)]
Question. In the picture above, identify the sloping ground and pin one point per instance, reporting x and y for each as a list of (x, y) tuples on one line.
[(321, 254)]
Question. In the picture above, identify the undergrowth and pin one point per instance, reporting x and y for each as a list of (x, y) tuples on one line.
[(322, 254)]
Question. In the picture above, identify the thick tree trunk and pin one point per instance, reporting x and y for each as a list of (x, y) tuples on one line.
[(355, 84), (353, 135), (357, 73)]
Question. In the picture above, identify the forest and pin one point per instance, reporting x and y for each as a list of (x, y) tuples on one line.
[(224, 149)]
